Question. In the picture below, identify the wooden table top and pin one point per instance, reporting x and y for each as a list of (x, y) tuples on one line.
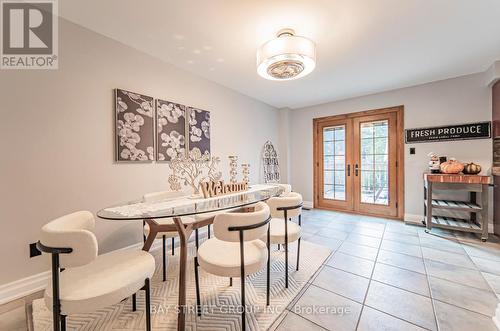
[(457, 178)]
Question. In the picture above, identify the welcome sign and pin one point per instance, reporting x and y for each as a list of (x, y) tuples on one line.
[(480, 130)]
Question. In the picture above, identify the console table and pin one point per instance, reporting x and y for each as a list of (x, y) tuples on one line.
[(473, 184)]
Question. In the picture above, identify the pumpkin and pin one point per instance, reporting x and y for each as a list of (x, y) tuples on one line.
[(472, 168), (451, 166)]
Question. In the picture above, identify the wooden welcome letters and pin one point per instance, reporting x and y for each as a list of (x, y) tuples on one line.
[(213, 189)]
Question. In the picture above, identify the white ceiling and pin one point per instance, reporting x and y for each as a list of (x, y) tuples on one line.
[(363, 46)]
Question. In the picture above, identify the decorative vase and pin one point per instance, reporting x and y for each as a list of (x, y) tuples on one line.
[(233, 168), (246, 172), (472, 168)]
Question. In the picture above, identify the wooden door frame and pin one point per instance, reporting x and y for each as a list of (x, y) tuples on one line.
[(400, 186)]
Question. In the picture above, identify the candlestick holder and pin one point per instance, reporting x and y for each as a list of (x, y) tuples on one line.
[(246, 172), (233, 168)]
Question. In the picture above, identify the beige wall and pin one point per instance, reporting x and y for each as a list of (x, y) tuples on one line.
[(459, 100), (57, 139)]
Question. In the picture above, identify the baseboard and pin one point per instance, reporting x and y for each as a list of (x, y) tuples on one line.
[(417, 220), (31, 284), (308, 204)]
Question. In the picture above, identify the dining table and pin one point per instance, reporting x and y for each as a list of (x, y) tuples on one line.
[(177, 208)]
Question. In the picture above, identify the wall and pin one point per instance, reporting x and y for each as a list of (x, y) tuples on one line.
[(459, 100), (58, 145)]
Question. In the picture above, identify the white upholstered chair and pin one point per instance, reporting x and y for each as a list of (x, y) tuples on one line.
[(283, 230), (83, 281), (159, 196), (236, 250)]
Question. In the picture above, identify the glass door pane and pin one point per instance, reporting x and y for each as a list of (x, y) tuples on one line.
[(334, 163), (374, 152)]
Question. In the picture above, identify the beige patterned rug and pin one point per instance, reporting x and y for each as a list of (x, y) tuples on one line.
[(219, 300)]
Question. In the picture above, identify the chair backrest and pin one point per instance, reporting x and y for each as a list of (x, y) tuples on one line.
[(290, 200), (72, 231), (162, 195), (225, 220), (287, 189)]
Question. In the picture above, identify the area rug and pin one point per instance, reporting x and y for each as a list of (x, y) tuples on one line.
[(220, 301)]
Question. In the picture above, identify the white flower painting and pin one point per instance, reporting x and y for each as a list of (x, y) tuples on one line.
[(134, 127), (170, 130), (199, 130)]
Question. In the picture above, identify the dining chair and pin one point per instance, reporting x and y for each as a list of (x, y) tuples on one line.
[(159, 196), (282, 230), (83, 281), (236, 250)]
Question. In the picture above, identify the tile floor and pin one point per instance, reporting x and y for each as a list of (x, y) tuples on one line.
[(391, 276), (382, 275)]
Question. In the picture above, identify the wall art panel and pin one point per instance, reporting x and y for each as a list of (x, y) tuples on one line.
[(199, 130), (134, 127), (170, 130)]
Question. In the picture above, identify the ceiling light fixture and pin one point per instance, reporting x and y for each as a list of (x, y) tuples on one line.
[(287, 57)]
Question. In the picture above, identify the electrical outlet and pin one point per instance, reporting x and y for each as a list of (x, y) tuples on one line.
[(34, 251), (412, 150)]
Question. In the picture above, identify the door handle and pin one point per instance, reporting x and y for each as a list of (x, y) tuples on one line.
[(356, 169), (348, 170)]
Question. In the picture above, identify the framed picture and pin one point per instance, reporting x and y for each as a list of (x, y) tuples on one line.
[(170, 130), (134, 127), (199, 130)]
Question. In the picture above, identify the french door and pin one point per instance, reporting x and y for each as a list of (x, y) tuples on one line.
[(356, 162)]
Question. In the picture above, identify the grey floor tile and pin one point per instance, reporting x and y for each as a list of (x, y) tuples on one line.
[(333, 233), (485, 251), (365, 252), (353, 264), (401, 228), (399, 247), (451, 318), (374, 320), (452, 246), (344, 283), (480, 301), (402, 278), (367, 231), (293, 322), (408, 306), (13, 320), (461, 260), (364, 240), (403, 238), (331, 243), (344, 319), (487, 265), (493, 281), (465, 276), (402, 261)]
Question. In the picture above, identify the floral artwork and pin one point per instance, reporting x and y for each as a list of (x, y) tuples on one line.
[(199, 130), (134, 127), (170, 130)]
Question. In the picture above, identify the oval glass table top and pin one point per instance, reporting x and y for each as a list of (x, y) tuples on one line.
[(189, 205)]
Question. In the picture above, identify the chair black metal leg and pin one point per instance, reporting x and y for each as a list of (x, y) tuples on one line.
[(143, 234), (197, 239), (298, 254), (268, 288), (197, 282), (134, 302), (173, 246), (209, 231), (148, 304), (63, 322), (279, 246), (56, 303), (230, 281), (286, 250), (242, 275), (164, 239)]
